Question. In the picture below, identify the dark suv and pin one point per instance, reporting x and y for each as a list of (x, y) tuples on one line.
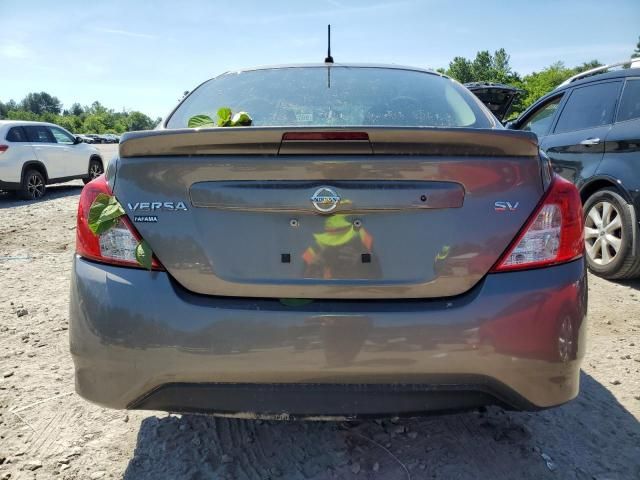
[(590, 129)]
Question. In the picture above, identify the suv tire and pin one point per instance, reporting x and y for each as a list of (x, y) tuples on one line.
[(95, 170), (33, 185), (609, 236)]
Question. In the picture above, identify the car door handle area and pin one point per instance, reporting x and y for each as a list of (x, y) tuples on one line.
[(590, 141)]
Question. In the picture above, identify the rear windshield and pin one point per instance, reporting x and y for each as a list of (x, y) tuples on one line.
[(336, 96)]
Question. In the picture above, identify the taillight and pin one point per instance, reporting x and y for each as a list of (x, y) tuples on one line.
[(554, 233), (117, 245), (3, 148), (324, 136)]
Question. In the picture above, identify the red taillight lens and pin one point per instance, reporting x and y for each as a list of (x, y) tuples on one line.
[(325, 136), (3, 148), (117, 245), (554, 233)]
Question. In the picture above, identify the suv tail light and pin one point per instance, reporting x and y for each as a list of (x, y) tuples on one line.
[(554, 233), (117, 245), (3, 148)]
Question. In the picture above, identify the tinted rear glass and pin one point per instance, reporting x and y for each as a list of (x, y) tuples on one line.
[(630, 101), (16, 134), (336, 96), (39, 134), (588, 107)]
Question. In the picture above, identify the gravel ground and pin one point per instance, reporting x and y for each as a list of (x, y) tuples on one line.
[(46, 431)]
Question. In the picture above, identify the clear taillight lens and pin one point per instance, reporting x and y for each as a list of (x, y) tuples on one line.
[(118, 243), (553, 234)]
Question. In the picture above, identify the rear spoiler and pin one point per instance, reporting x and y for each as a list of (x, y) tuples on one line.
[(330, 141)]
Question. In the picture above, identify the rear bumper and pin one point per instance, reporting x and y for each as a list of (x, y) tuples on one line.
[(138, 340)]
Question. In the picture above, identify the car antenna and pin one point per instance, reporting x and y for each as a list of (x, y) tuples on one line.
[(329, 58)]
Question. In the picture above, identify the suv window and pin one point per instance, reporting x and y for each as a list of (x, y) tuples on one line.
[(630, 101), (540, 122), (16, 134), (588, 107), (61, 136), (39, 134)]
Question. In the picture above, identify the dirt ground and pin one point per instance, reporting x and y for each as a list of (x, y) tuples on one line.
[(47, 431)]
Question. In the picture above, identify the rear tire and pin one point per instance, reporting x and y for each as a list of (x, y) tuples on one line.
[(34, 185), (609, 236), (95, 170)]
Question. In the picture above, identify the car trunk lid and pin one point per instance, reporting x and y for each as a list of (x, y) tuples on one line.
[(300, 213), (497, 97)]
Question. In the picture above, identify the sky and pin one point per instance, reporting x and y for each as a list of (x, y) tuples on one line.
[(142, 55)]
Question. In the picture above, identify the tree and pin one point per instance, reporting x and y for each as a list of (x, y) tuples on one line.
[(537, 84), (22, 115), (636, 52), (76, 109), (587, 66), (40, 103), (502, 72), (78, 119), (70, 122), (139, 121), (461, 69), (484, 68), (97, 108), (94, 124)]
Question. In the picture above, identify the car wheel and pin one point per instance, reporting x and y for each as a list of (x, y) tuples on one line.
[(608, 236), (95, 170), (33, 185)]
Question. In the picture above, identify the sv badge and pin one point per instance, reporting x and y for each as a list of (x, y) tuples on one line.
[(505, 206)]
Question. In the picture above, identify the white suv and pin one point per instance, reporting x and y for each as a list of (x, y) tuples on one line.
[(34, 154)]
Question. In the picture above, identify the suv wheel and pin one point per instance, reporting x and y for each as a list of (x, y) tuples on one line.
[(33, 185), (95, 170), (608, 236)]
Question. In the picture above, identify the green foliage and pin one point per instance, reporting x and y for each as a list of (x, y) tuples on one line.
[(537, 84), (22, 115), (104, 213), (484, 68), (636, 52), (241, 119), (95, 118), (139, 121), (200, 121), (40, 103), (226, 118), (461, 69), (144, 255)]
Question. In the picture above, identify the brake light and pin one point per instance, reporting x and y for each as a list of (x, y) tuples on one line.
[(325, 136), (117, 245), (3, 148), (554, 233)]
